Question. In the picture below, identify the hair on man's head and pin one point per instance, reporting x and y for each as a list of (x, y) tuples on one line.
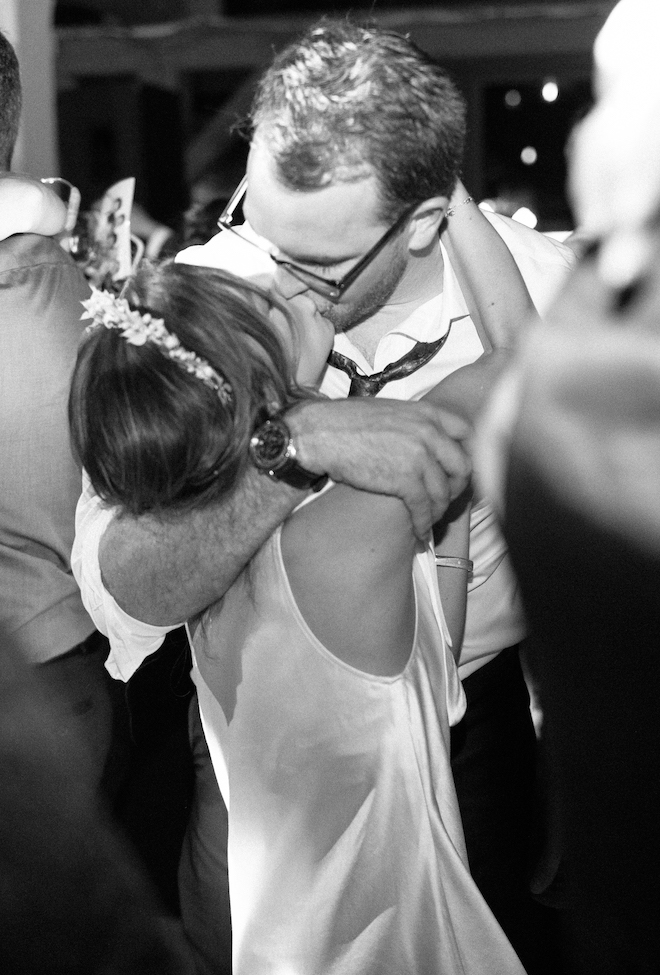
[(345, 101), (10, 101)]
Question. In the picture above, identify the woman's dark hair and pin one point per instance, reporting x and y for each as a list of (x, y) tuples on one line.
[(154, 437)]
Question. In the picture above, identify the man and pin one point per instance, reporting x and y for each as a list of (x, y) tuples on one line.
[(570, 442), (356, 148)]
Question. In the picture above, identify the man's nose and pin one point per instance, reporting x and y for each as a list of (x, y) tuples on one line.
[(287, 284)]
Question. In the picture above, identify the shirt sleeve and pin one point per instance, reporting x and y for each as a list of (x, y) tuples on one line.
[(131, 640), (543, 261)]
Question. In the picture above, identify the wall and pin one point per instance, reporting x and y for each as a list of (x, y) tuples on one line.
[(27, 24)]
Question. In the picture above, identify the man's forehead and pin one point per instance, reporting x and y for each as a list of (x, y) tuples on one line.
[(335, 220)]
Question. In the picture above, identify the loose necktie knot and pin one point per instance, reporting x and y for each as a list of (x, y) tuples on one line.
[(361, 385)]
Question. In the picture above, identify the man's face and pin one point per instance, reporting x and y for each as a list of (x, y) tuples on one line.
[(327, 231)]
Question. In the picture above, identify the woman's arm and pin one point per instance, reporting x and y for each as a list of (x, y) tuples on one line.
[(496, 295), (498, 301), (349, 554), (29, 206)]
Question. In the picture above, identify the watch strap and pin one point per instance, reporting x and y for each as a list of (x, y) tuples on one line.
[(297, 476), (284, 466)]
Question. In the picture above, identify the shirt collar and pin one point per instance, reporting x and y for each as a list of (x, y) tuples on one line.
[(426, 323)]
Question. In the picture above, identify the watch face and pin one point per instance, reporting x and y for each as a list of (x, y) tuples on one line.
[(269, 444)]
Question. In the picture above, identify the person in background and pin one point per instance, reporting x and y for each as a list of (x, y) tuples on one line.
[(73, 896), (568, 445), (356, 147), (137, 736), (209, 195), (195, 225), (160, 241), (200, 221)]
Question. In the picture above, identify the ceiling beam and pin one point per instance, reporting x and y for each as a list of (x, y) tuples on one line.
[(206, 42)]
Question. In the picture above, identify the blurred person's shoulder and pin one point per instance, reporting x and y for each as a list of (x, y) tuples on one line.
[(520, 237), (544, 262), (40, 283), (31, 250)]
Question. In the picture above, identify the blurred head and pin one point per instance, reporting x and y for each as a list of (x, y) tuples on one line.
[(10, 101), (615, 151), (153, 436)]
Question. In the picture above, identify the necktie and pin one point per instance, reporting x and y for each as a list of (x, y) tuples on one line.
[(361, 385)]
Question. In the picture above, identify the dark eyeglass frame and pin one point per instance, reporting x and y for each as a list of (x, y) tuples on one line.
[(332, 288)]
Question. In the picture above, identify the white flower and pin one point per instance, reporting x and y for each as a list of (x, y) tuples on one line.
[(137, 328)]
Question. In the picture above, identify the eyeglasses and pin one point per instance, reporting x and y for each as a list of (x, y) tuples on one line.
[(332, 288)]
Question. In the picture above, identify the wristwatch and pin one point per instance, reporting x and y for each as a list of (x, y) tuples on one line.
[(272, 452)]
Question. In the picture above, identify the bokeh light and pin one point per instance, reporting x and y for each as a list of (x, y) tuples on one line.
[(550, 91), (526, 216)]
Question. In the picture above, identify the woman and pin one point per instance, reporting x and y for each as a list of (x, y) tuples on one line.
[(325, 678)]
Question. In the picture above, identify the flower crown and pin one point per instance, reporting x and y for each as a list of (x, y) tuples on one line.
[(138, 328)]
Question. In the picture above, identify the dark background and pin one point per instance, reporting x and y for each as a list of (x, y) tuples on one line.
[(118, 124)]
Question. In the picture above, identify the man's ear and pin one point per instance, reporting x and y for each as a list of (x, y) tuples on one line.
[(426, 221)]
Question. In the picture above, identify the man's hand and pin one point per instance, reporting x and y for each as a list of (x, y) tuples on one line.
[(414, 451)]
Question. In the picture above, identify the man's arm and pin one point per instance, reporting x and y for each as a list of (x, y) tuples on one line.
[(164, 570)]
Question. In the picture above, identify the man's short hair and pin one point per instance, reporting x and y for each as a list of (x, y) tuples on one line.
[(10, 101), (346, 101)]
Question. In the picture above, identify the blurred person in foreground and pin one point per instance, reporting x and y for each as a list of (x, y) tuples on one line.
[(570, 443), (72, 898)]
